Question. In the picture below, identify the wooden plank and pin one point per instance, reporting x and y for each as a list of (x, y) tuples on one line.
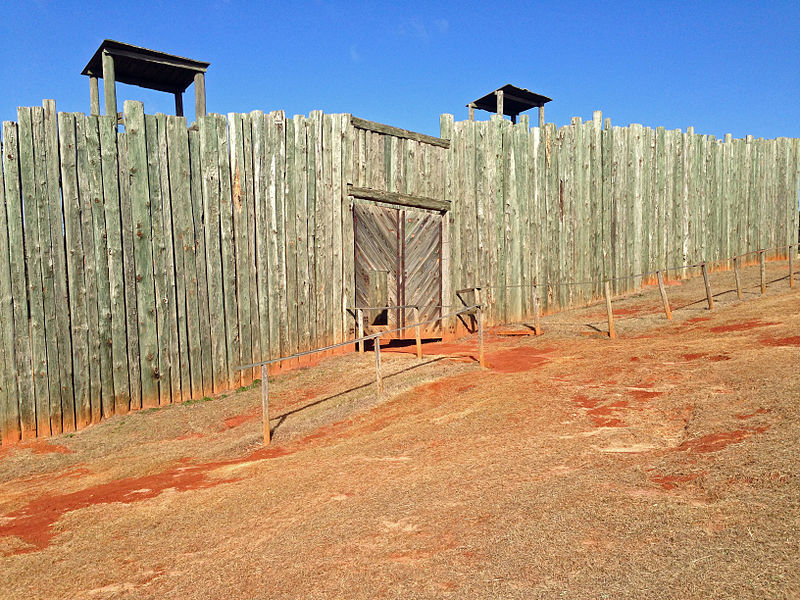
[(79, 404), (184, 248), (254, 321), (201, 261), (171, 269), (239, 181), (59, 326), (338, 196), (91, 415), (116, 277), (348, 241), (10, 432), (32, 197), (311, 226), (95, 202), (398, 198), (209, 162), (304, 268), (289, 225), (262, 235), (228, 251), (51, 308), (159, 252), (397, 132), (131, 308), (322, 224), (143, 251), (277, 324)]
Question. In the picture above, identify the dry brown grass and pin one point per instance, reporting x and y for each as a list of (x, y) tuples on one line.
[(662, 464)]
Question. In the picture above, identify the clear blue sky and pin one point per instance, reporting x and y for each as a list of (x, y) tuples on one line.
[(719, 66)]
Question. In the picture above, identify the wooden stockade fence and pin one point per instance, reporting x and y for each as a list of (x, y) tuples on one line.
[(592, 202), (141, 267)]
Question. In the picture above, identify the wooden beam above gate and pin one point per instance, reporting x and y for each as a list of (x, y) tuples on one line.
[(395, 198), (397, 132)]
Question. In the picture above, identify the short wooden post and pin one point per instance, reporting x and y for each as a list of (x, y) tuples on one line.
[(200, 94), (378, 377), (109, 85), (607, 291), (791, 266), (360, 325), (480, 338), (265, 404), (476, 297), (178, 104), (762, 259), (738, 277), (709, 297), (541, 116), (537, 329), (471, 111), (499, 96), (94, 96), (418, 332), (664, 298)]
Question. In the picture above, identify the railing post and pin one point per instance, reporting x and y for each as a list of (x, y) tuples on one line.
[(378, 377), (480, 337), (360, 325), (791, 265), (476, 293), (664, 298), (418, 332), (738, 277), (612, 334), (709, 297), (762, 259), (537, 329), (265, 404)]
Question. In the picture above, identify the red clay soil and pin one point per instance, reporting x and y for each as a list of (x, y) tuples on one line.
[(744, 326), (784, 341), (569, 468), (35, 446)]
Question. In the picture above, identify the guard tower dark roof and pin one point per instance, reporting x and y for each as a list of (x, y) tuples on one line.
[(116, 61), (510, 100)]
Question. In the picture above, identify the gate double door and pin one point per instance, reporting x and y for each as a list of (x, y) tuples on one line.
[(398, 262)]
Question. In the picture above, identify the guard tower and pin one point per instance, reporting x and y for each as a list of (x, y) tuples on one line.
[(510, 100), (115, 61)]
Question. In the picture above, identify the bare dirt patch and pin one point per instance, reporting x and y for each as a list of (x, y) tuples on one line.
[(662, 464)]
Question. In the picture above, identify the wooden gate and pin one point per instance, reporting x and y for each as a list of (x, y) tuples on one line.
[(398, 262)]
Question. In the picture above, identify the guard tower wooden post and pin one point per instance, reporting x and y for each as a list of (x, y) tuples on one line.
[(116, 61), (510, 100)]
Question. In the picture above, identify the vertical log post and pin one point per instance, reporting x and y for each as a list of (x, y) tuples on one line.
[(265, 404), (738, 277), (481, 360), (664, 298), (418, 332), (378, 377), (709, 297), (791, 266), (94, 96), (612, 334), (762, 261), (109, 85), (360, 325), (178, 104), (471, 111), (499, 96), (541, 116), (537, 329), (199, 95)]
